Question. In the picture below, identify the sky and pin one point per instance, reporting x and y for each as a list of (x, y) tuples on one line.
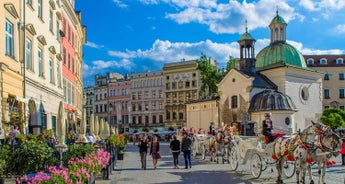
[(125, 36)]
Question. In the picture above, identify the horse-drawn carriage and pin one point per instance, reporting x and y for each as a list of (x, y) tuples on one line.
[(216, 146), (292, 154), (259, 153)]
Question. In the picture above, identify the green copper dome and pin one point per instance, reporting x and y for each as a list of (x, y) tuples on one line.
[(278, 19), (246, 36), (279, 54)]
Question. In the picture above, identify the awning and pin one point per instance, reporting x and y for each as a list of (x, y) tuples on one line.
[(23, 100)]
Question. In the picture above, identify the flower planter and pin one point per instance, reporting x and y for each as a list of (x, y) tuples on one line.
[(119, 156)]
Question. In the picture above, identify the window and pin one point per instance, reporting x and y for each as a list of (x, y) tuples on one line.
[(173, 85), (341, 76), (58, 75), (28, 54), (29, 2), (326, 77), (310, 61), (64, 55), (194, 83), (51, 21), (39, 9), (341, 93), (234, 102), (57, 30), (40, 62), (187, 84), (9, 39), (72, 65), (327, 93), (51, 71), (342, 107), (323, 61), (69, 61), (340, 61)]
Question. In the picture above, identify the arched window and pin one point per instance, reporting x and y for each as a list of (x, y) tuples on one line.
[(234, 102)]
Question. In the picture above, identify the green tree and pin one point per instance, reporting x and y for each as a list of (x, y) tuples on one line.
[(231, 63), (211, 76), (333, 117)]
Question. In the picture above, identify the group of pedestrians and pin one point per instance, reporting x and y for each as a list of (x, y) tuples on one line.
[(176, 148)]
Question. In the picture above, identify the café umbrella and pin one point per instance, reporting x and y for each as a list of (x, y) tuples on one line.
[(61, 126), (96, 133), (82, 129)]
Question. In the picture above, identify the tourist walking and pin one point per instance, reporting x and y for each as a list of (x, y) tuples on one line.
[(143, 146), (154, 151), (186, 148), (175, 147)]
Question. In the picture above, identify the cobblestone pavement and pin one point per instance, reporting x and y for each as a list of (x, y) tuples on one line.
[(129, 171)]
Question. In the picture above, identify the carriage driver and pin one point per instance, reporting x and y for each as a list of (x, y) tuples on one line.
[(267, 127)]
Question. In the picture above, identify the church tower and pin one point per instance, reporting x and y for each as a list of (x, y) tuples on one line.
[(278, 29), (247, 52)]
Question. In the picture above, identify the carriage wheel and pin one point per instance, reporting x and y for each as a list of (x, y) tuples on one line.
[(289, 168), (256, 165), (234, 159), (265, 164)]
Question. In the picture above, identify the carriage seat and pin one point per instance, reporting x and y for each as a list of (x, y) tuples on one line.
[(275, 136)]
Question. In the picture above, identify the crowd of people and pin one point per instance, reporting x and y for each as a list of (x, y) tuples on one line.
[(176, 147)]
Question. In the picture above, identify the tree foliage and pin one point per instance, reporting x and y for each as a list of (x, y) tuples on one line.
[(333, 117), (211, 76)]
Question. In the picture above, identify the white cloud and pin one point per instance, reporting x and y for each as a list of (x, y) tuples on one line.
[(120, 4), (340, 28), (307, 4), (93, 45), (166, 51), (322, 5), (100, 65), (230, 17)]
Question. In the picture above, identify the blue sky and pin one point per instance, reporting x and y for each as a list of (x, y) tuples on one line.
[(127, 36)]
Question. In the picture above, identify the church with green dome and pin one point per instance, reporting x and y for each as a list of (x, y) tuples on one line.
[(276, 81)]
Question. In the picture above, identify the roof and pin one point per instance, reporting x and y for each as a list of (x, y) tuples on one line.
[(246, 36), (331, 60), (278, 19), (279, 54), (269, 100), (260, 81)]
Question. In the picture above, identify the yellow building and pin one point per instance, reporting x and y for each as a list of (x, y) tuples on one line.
[(333, 67), (182, 85), (200, 114), (11, 74)]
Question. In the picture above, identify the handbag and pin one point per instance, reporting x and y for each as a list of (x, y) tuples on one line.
[(158, 155)]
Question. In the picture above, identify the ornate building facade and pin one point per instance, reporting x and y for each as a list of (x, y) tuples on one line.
[(11, 60), (119, 90), (147, 100), (182, 85), (333, 67)]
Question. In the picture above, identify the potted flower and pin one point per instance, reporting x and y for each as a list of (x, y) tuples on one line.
[(119, 141)]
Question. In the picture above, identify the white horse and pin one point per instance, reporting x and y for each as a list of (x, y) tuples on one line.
[(327, 145), (291, 149)]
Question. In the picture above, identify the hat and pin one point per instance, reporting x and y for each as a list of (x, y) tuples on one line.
[(267, 114)]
